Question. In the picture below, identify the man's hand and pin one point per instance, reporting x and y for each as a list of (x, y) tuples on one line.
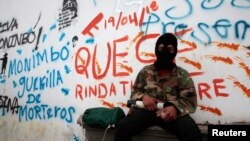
[(149, 102), (168, 113)]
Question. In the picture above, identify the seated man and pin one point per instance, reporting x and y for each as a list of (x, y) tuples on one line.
[(162, 81)]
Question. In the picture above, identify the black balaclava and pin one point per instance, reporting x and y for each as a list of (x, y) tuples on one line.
[(164, 57)]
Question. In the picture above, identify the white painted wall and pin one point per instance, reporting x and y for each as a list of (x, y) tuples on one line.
[(46, 88)]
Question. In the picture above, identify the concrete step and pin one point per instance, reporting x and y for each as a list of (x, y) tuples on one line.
[(151, 134)]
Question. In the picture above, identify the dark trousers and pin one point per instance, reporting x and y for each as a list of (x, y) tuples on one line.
[(184, 128)]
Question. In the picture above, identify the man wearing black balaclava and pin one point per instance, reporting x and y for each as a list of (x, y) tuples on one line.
[(162, 82), (165, 51)]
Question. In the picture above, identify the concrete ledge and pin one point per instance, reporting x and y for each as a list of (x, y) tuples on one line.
[(152, 133)]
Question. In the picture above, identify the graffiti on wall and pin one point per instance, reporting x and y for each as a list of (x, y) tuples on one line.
[(86, 62), (29, 87), (47, 73), (68, 13)]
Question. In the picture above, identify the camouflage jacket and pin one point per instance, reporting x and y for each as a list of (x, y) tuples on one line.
[(177, 88)]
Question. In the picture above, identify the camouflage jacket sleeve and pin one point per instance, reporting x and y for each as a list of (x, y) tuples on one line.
[(187, 98), (183, 98), (138, 89)]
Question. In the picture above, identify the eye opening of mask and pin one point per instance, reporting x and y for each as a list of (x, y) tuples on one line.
[(161, 47), (169, 48)]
